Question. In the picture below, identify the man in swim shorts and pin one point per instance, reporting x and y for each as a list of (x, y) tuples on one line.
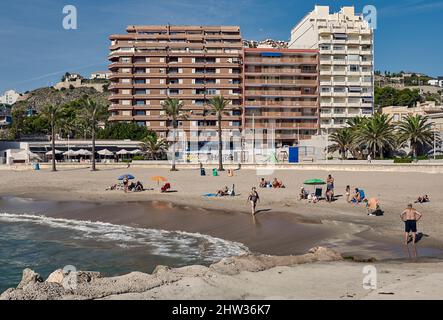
[(410, 216)]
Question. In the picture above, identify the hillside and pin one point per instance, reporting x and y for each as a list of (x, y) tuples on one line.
[(47, 95)]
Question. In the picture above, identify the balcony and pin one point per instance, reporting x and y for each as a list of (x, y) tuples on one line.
[(273, 93), (279, 104)]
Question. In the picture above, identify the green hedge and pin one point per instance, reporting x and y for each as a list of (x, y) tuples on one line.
[(402, 160)]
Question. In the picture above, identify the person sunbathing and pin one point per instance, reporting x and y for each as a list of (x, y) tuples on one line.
[(277, 183), (166, 187), (223, 192), (263, 183), (422, 199), (303, 194)]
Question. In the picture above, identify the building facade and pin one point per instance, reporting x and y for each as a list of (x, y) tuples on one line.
[(9, 97), (308, 86), (189, 63), (281, 93), (346, 62)]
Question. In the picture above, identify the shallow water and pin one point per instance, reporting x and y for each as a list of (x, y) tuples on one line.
[(45, 244)]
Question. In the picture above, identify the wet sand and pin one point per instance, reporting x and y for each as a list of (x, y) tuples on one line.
[(276, 233)]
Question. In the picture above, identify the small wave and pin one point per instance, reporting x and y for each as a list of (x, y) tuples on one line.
[(184, 245)]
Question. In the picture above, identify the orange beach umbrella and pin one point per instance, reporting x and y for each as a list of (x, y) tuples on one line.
[(158, 179)]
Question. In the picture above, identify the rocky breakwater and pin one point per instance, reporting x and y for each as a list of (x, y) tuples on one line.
[(63, 284)]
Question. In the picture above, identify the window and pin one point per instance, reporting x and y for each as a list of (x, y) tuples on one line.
[(141, 123), (139, 81), (354, 68), (174, 91), (140, 102), (141, 91), (140, 112), (211, 91), (353, 57)]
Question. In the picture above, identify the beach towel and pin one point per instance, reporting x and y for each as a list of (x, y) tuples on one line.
[(209, 195)]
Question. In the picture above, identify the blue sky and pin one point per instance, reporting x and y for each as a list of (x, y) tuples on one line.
[(36, 50)]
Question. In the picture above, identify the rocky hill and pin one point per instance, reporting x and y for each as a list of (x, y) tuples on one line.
[(48, 95)]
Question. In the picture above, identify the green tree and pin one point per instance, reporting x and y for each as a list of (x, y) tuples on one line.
[(154, 146), (53, 114), (417, 130), (174, 110), (124, 130), (218, 105), (344, 141), (90, 114), (376, 133)]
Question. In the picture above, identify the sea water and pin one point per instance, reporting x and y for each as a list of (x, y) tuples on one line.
[(45, 244)]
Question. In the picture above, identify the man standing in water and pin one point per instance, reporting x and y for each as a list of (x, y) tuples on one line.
[(410, 216), (253, 198)]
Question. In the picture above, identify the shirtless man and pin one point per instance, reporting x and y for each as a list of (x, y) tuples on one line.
[(410, 216)]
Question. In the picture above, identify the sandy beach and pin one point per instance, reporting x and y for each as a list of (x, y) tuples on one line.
[(284, 225)]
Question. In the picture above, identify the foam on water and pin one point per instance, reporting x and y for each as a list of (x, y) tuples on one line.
[(161, 242)]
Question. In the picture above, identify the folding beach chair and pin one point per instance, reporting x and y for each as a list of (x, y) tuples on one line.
[(318, 192)]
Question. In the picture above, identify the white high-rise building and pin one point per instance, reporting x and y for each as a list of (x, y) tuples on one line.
[(346, 63), (9, 97)]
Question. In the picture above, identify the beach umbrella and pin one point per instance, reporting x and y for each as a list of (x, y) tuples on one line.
[(49, 153), (314, 182), (105, 152), (34, 156), (122, 152), (128, 175), (82, 152), (69, 153), (158, 179), (136, 151)]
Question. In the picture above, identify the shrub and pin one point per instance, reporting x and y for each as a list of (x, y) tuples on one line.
[(138, 158), (402, 160)]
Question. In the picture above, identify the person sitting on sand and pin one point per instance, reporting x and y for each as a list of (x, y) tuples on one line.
[(277, 184), (263, 183), (139, 186), (223, 192), (422, 199), (131, 187), (356, 197), (303, 194), (372, 206), (312, 198)]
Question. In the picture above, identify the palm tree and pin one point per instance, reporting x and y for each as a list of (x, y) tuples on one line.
[(153, 145), (90, 114), (218, 105), (173, 109), (53, 113), (376, 133), (416, 130), (343, 139)]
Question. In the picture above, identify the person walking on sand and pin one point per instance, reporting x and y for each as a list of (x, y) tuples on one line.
[(126, 184), (253, 199), (348, 194), (410, 216)]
